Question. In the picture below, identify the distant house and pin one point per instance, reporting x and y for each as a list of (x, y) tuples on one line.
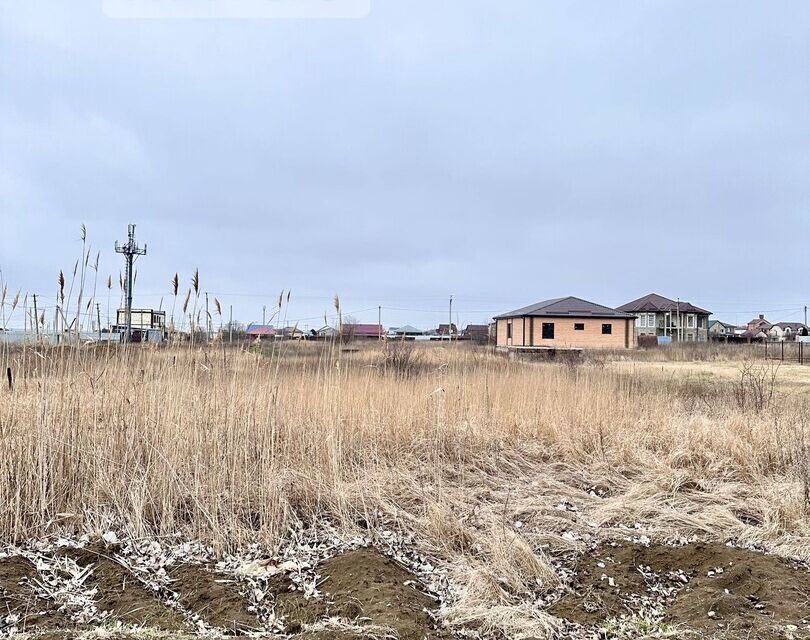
[(290, 333), (361, 331), (324, 333), (758, 324), (565, 323), (404, 331), (476, 332), (719, 330), (787, 331), (660, 316), (751, 335), (447, 329), (260, 331)]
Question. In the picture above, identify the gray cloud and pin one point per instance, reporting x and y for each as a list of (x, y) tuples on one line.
[(500, 151)]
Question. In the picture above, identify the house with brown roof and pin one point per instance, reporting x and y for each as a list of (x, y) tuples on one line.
[(660, 316), (758, 324), (787, 331), (351, 331), (565, 323), (476, 333), (447, 329)]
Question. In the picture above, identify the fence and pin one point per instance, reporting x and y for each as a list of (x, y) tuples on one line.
[(788, 351), (20, 337)]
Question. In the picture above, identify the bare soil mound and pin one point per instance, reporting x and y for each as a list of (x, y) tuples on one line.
[(20, 608), (121, 595), (214, 597), (364, 588), (362, 594), (712, 589)]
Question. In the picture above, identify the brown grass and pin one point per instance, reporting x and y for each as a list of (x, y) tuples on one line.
[(470, 451)]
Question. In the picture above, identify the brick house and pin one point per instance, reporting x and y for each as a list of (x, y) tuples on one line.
[(660, 316), (561, 323), (758, 324)]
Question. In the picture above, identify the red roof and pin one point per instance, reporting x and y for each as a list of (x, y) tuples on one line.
[(260, 330), (362, 329)]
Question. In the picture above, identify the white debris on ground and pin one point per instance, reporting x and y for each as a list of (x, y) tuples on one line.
[(62, 581), (304, 548)]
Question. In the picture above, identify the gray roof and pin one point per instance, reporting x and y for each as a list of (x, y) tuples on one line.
[(793, 326), (657, 303), (569, 306), (405, 329)]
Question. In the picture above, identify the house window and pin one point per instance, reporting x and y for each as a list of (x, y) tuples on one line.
[(607, 329), (690, 321), (641, 320), (651, 320), (579, 326), (509, 330), (548, 331)]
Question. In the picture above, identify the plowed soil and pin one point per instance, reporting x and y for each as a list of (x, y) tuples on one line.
[(214, 597), (359, 591), (365, 588), (705, 590), (121, 595), (713, 589), (18, 598)]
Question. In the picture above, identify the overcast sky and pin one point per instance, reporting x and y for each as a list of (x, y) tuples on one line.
[(501, 151)]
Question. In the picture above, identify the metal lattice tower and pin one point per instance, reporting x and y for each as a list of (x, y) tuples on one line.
[(130, 250)]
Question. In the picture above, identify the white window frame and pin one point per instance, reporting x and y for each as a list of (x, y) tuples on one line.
[(642, 320), (651, 320), (690, 321)]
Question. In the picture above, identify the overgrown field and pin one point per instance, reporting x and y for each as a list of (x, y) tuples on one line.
[(525, 499)]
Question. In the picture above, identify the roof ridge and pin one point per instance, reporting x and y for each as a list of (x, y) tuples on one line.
[(568, 307)]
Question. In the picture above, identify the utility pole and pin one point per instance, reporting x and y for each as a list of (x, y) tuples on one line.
[(379, 321), (264, 314), (230, 324), (805, 311), (678, 309), (130, 250), (36, 315)]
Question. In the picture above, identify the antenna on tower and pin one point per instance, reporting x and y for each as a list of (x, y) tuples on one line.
[(130, 250)]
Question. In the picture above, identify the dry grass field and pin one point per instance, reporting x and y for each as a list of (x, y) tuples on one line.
[(445, 491)]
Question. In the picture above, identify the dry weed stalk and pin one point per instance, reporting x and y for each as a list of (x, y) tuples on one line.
[(165, 440)]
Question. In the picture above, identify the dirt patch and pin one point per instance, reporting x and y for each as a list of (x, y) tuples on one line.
[(712, 589), (121, 594), (365, 588), (20, 607), (214, 597), (747, 591)]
